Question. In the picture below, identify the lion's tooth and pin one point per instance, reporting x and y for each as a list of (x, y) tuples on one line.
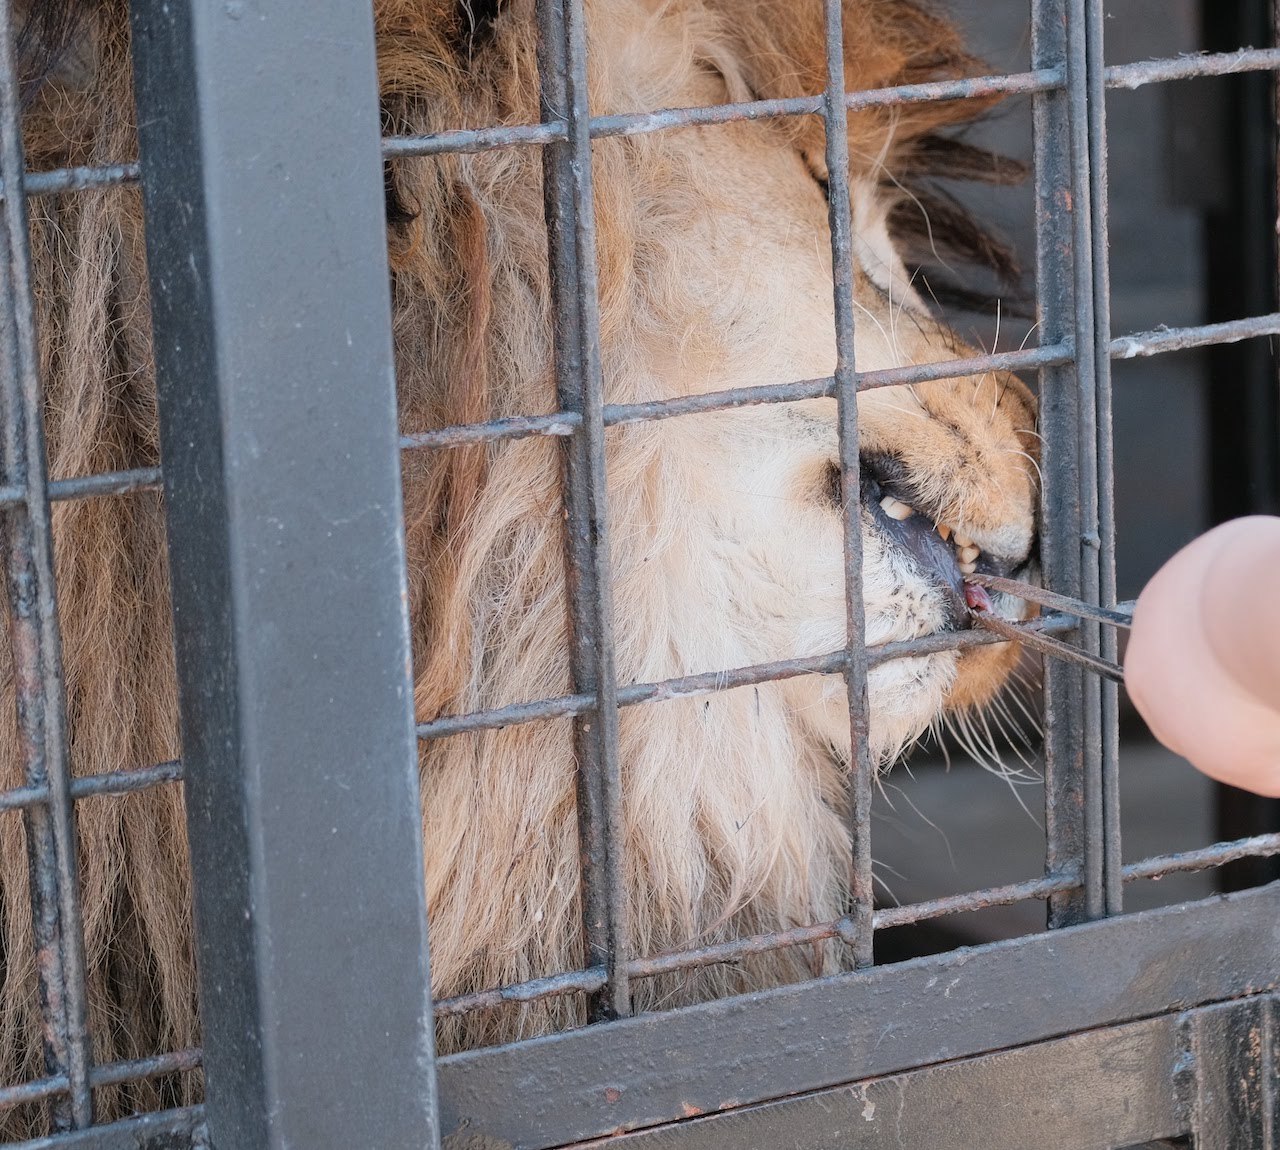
[(962, 540), (968, 568), (969, 554), (896, 509), (944, 531)]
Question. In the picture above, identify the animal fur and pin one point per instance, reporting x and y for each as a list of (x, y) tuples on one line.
[(714, 272)]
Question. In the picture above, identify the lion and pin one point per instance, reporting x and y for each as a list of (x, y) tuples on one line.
[(714, 272)]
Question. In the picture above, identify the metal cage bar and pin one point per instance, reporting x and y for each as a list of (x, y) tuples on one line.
[(570, 216), (1104, 455), (36, 644), (860, 933), (1085, 524), (1058, 424), (286, 537), (250, 804)]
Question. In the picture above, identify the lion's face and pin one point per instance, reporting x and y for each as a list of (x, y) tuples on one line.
[(948, 469)]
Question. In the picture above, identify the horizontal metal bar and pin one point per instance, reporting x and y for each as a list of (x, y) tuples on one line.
[(1120, 616), (91, 786), (653, 1069), (167, 1130), (1143, 72), (78, 179), (713, 682), (1163, 340), (560, 423), (977, 900), (91, 486), (1148, 343), (588, 981), (474, 139), (1186, 862), (735, 950), (1124, 76), (534, 990), (110, 1074)]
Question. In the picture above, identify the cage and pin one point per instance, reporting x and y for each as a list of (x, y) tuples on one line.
[(263, 172)]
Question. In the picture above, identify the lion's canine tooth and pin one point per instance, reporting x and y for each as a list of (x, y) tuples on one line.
[(962, 540), (896, 509), (968, 568), (944, 531), (969, 554)]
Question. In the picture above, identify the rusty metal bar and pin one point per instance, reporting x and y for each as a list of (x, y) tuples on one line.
[(1085, 305), (692, 686), (1104, 454), (110, 1074), (859, 932), (1048, 886), (1127, 76), (93, 786), (564, 423), (1059, 500), (36, 642), (570, 216)]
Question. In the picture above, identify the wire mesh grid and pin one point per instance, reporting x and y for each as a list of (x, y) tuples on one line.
[(1083, 876)]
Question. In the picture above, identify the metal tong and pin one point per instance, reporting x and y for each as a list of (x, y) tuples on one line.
[(1119, 616)]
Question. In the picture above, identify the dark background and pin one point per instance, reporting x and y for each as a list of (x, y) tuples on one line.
[(1196, 439)]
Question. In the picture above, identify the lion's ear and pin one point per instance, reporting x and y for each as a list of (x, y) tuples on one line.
[(782, 49)]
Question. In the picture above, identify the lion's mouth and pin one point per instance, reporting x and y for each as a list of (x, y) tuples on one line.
[(943, 554)]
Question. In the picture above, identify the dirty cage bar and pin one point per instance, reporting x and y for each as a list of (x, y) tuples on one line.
[(207, 109)]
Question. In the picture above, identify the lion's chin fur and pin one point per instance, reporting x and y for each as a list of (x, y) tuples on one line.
[(726, 542)]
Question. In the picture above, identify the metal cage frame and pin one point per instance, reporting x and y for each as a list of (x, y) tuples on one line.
[(1140, 1023)]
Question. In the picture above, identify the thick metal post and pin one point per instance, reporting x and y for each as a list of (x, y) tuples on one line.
[(262, 178)]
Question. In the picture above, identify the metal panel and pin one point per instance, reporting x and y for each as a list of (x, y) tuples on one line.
[(660, 1068), (1232, 1049), (262, 182), (1094, 1091)]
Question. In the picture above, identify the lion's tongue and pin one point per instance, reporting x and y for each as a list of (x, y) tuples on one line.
[(977, 598)]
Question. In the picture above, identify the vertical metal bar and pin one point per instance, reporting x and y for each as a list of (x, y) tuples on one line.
[(1105, 554), (262, 181), (1088, 540), (1058, 424), (37, 654), (859, 932), (570, 213)]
